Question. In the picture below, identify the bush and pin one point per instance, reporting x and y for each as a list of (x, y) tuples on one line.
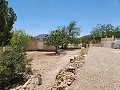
[(20, 37), (13, 63)]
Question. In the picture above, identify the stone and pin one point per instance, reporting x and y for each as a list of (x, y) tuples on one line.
[(71, 69), (76, 56), (25, 85), (84, 55), (68, 83), (72, 59), (39, 79)]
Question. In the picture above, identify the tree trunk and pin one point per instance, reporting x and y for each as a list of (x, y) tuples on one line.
[(56, 50), (65, 46), (85, 45), (88, 45), (62, 46)]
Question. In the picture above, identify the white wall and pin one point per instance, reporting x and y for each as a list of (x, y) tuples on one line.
[(106, 43)]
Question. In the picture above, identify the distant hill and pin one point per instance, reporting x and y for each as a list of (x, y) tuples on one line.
[(41, 36)]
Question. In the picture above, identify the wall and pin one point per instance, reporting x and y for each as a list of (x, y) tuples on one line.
[(46, 48), (32, 45), (106, 43), (35, 45), (107, 39)]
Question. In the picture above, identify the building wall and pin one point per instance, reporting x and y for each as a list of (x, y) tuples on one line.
[(50, 48), (107, 39), (32, 45), (106, 43), (39, 45)]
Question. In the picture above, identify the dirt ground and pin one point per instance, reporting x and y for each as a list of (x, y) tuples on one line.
[(100, 72), (48, 65)]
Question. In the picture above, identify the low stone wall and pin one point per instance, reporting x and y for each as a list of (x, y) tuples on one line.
[(67, 75)]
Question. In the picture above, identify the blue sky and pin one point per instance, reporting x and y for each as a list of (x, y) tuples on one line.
[(40, 16)]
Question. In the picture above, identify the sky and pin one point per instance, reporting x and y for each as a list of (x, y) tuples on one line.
[(41, 16)]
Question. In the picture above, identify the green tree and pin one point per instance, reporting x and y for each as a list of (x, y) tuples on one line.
[(54, 39), (7, 18), (101, 31), (73, 32), (14, 66), (77, 41), (20, 38), (85, 40), (64, 36)]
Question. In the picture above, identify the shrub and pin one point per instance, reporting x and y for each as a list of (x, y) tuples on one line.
[(20, 37), (13, 63)]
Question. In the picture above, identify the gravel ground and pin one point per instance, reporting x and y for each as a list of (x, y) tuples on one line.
[(49, 65), (100, 72)]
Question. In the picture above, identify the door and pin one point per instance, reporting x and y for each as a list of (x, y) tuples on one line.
[(40, 45)]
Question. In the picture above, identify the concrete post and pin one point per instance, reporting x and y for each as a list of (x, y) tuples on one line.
[(39, 79)]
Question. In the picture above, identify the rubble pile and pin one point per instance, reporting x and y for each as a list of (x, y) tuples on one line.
[(67, 75)]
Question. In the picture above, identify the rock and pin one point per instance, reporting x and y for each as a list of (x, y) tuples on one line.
[(71, 68), (25, 85), (84, 55), (18, 88), (68, 83), (60, 87), (72, 59), (76, 56), (39, 79)]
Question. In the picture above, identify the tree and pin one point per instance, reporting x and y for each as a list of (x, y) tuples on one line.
[(64, 36), (101, 31), (77, 41), (14, 66), (20, 38), (54, 39), (85, 40), (7, 19), (72, 31)]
